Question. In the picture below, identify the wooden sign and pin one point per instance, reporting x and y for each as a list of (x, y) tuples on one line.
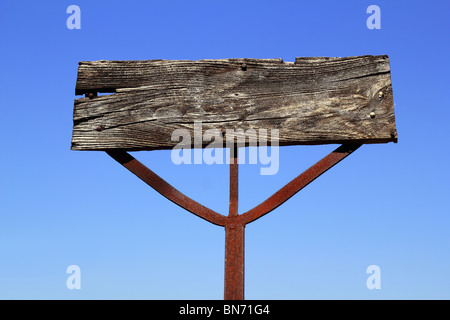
[(309, 101)]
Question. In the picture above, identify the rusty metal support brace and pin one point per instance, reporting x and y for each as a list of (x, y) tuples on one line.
[(234, 224)]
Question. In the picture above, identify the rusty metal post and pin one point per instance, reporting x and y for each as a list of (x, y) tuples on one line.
[(234, 180), (234, 261), (234, 238)]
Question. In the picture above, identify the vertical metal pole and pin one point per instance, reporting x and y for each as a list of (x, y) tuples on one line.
[(234, 190), (234, 239), (234, 262)]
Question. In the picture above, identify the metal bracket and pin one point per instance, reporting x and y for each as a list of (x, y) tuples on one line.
[(234, 223)]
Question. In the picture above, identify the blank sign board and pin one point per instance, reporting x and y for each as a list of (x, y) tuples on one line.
[(310, 101)]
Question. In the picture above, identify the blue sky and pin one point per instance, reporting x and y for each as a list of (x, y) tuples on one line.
[(386, 204)]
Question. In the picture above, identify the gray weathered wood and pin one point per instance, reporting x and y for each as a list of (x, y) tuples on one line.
[(311, 101)]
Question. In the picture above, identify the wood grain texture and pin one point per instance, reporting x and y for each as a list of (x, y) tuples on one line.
[(311, 101)]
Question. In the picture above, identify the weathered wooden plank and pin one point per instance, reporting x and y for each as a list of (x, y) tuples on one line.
[(312, 101)]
